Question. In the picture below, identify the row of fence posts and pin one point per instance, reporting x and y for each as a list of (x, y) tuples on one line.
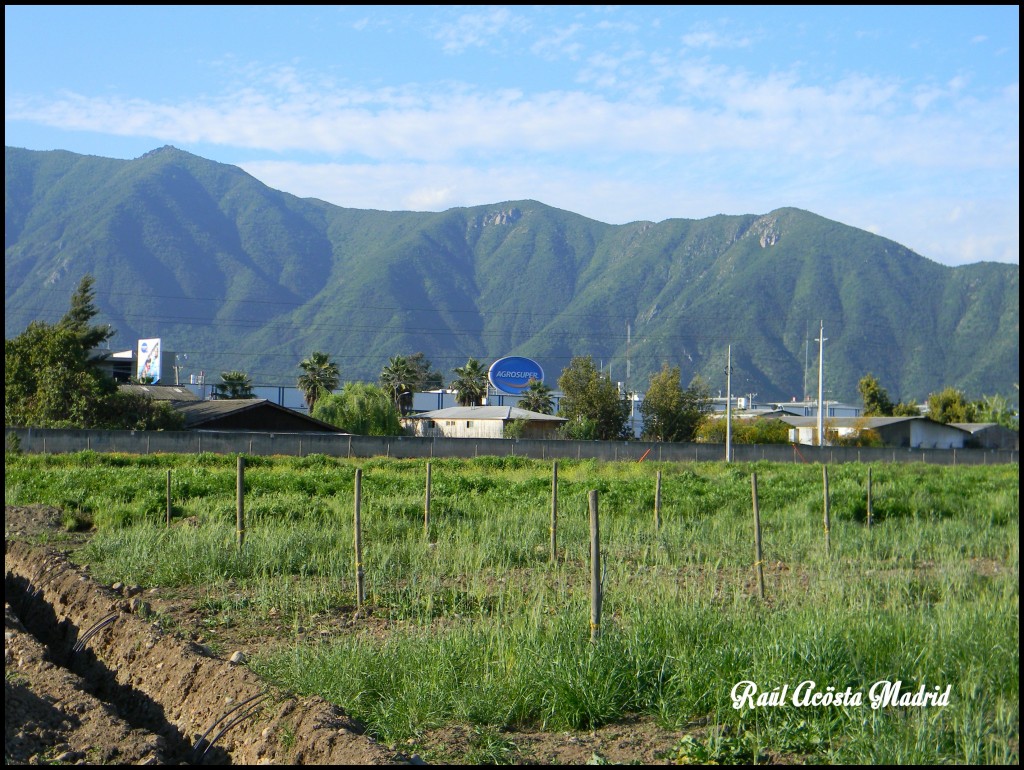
[(596, 583)]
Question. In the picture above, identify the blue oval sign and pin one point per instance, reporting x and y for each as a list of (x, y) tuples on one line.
[(513, 373)]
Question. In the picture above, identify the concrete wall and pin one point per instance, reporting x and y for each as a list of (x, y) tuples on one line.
[(56, 441)]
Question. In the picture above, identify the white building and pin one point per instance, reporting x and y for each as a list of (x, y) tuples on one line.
[(909, 432), (481, 422)]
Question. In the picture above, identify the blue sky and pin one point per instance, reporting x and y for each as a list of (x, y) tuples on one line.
[(899, 120)]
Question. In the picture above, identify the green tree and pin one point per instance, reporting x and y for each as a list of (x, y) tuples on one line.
[(426, 378), (951, 405), (876, 400), (50, 381), (671, 413), (399, 380), (80, 314), (134, 411), (591, 402), (320, 376), (234, 384), (361, 408), (760, 430), (514, 428), (470, 383), (536, 397), (997, 409), (909, 409)]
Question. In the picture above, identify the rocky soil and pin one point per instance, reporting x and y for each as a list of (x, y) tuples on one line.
[(92, 678)]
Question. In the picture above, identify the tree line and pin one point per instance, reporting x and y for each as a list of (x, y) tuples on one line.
[(52, 379)]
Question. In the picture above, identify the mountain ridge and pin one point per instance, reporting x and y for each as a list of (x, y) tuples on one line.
[(238, 275)]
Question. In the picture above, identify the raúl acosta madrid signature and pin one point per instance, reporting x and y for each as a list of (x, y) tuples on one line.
[(882, 694)]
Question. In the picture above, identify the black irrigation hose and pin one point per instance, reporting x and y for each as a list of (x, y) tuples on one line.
[(37, 583), (80, 644), (232, 723), (244, 715)]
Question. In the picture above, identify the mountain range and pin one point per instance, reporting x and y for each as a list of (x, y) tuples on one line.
[(234, 275)]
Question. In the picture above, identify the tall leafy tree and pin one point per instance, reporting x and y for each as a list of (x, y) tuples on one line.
[(876, 400), (908, 409), (536, 397), (951, 405), (671, 413), (51, 378), (78, 319), (591, 402), (426, 377), (234, 384), (362, 409), (399, 379), (760, 430), (319, 377), (50, 382), (997, 409), (470, 383)]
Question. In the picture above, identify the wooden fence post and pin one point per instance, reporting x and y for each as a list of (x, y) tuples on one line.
[(828, 537), (869, 498), (358, 539), (757, 538), (554, 511), (426, 507), (657, 504), (240, 501), (595, 570)]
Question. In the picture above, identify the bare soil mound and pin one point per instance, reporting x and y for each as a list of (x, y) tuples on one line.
[(91, 678)]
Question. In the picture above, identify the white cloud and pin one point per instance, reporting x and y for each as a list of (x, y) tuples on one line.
[(475, 30), (864, 119)]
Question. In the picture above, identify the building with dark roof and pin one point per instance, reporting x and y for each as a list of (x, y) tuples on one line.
[(249, 414)]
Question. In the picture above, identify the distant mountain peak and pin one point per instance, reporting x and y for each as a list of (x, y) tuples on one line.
[(240, 276)]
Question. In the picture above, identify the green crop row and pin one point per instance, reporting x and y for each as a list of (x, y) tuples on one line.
[(484, 627)]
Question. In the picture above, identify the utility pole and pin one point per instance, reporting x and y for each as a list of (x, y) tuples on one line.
[(728, 405), (629, 334), (821, 381), (807, 347)]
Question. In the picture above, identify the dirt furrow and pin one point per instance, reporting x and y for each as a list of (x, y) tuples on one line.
[(89, 678)]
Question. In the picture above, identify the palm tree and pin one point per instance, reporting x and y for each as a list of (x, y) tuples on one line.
[(399, 378), (234, 384), (320, 376), (470, 385), (536, 397)]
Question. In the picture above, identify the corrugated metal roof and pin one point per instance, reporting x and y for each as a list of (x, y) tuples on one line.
[(161, 392), (855, 422), (503, 413)]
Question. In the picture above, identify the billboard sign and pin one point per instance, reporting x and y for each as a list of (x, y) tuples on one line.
[(148, 369), (512, 374)]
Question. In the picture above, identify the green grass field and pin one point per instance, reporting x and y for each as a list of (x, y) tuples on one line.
[(484, 628)]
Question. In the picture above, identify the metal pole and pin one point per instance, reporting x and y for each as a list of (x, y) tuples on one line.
[(728, 405), (821, 385)]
